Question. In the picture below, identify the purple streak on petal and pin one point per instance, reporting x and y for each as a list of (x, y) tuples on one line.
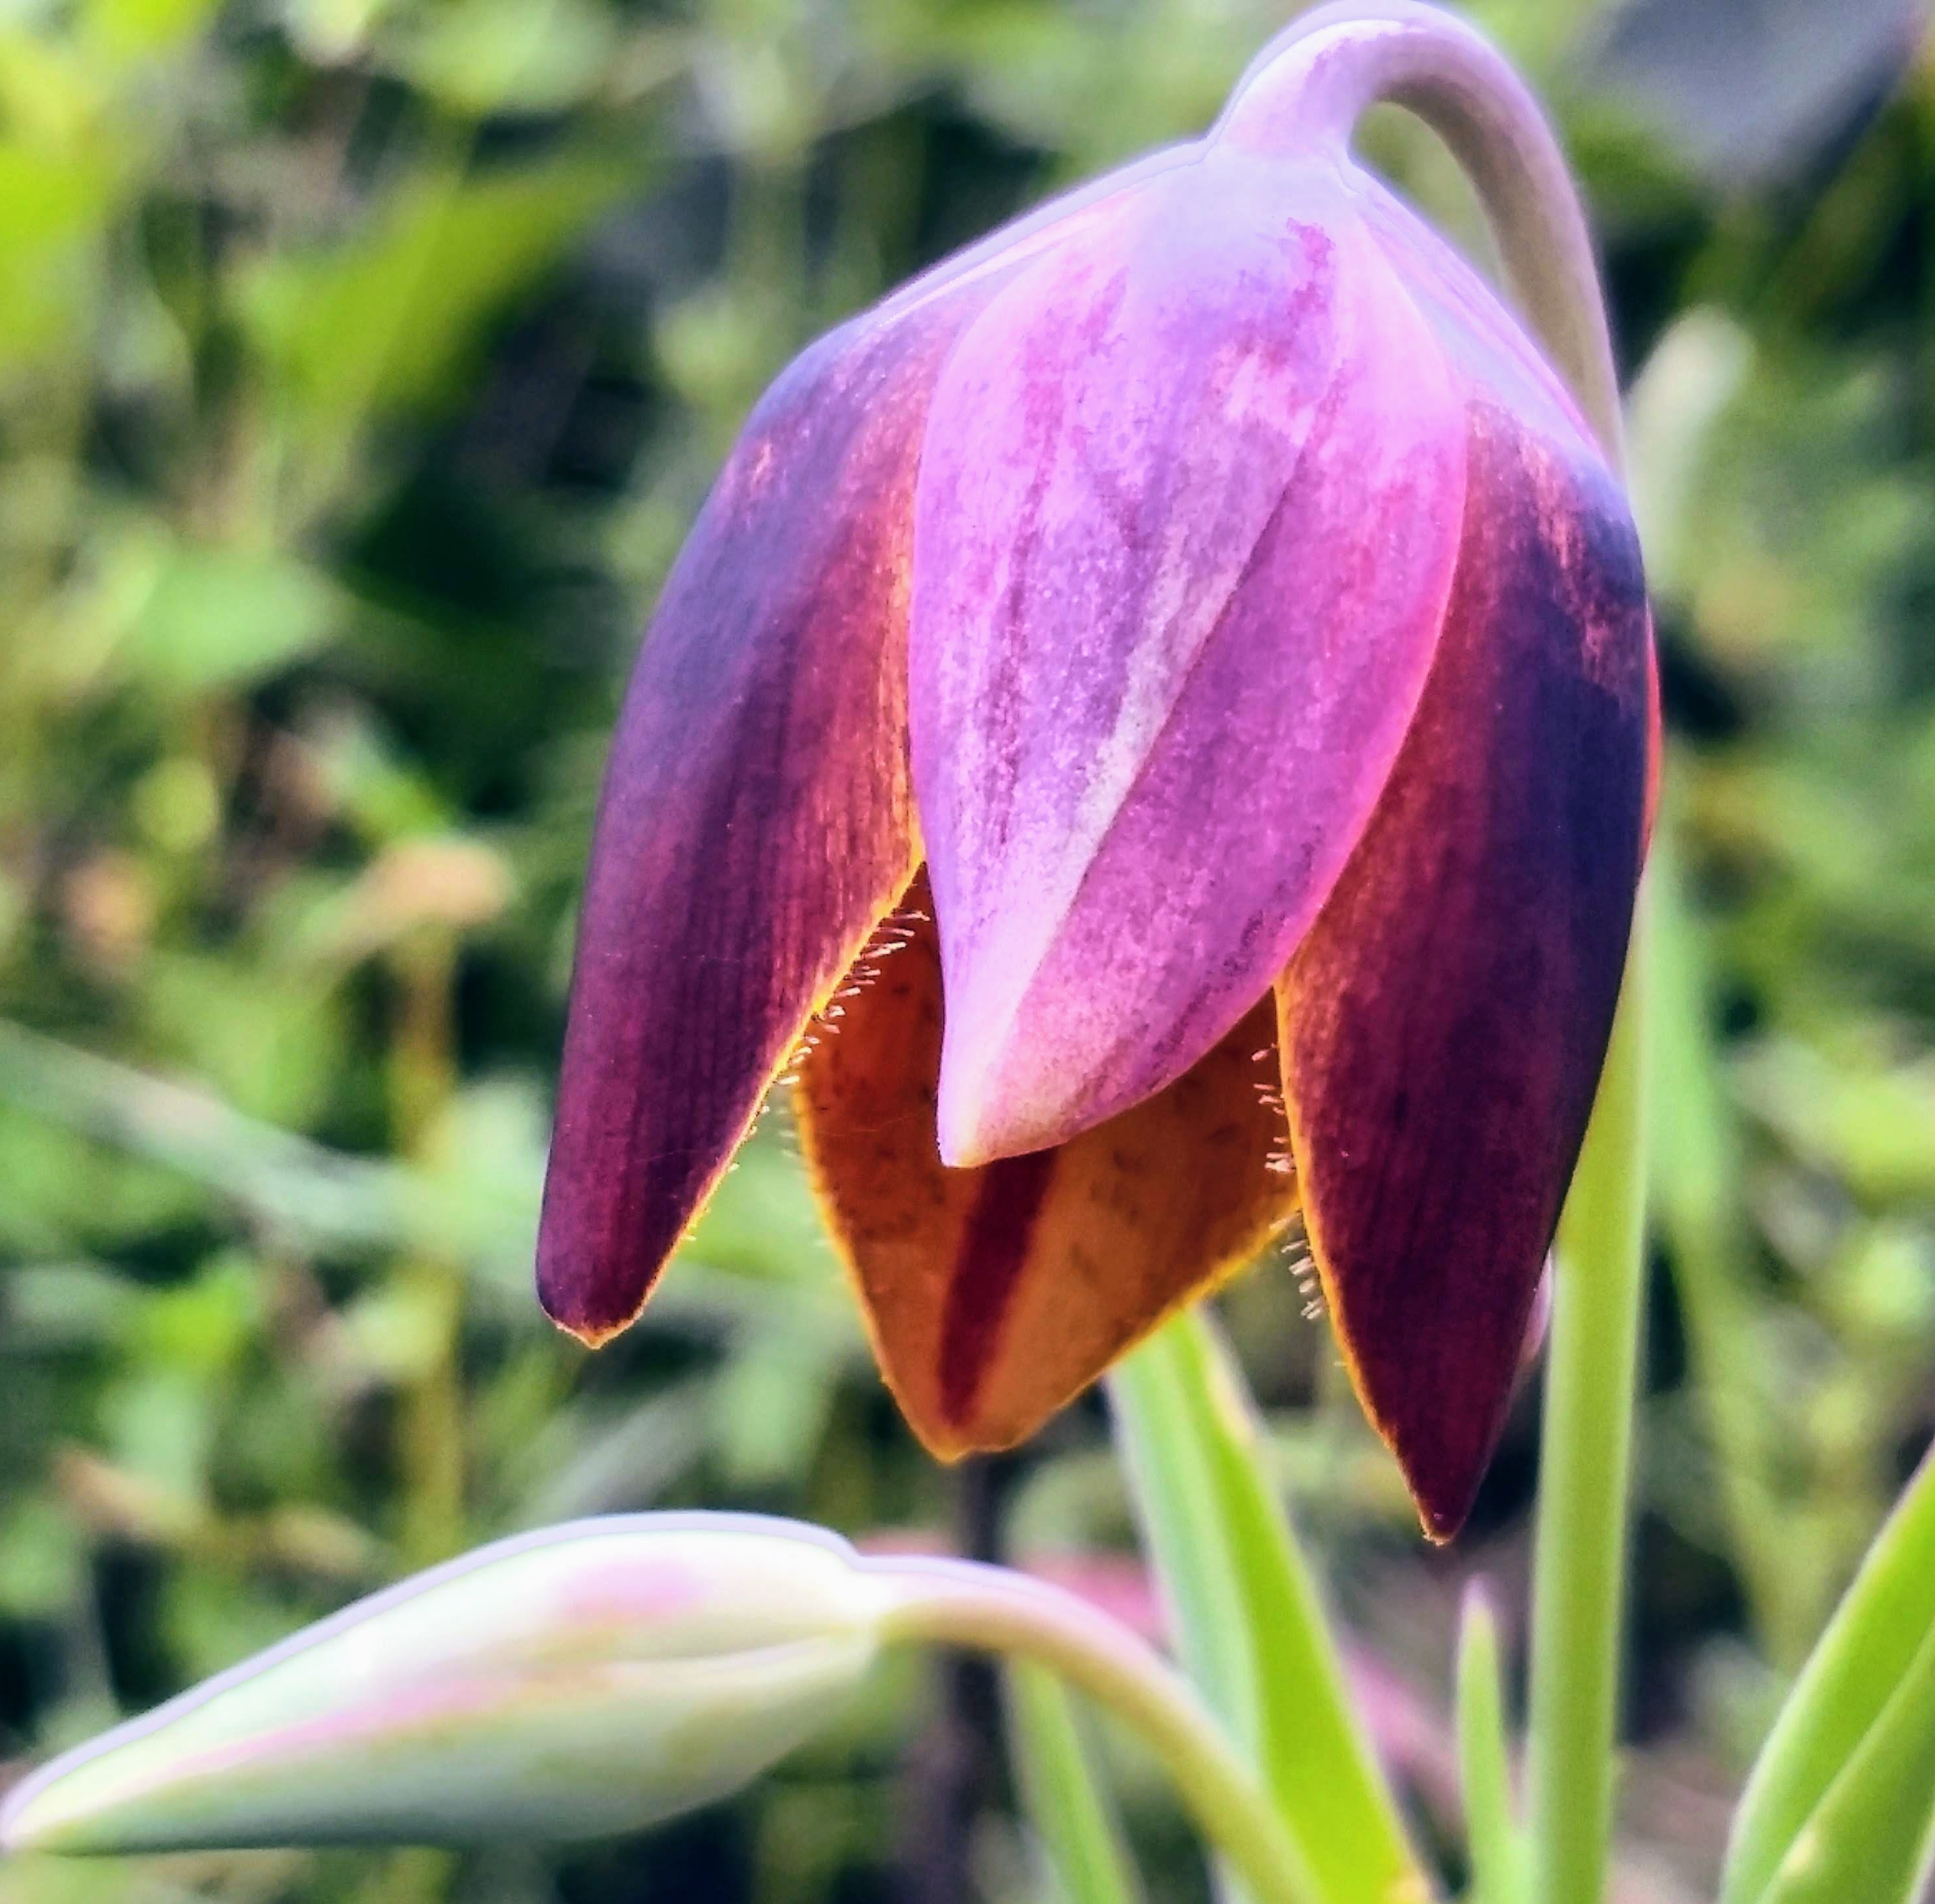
[(1186, 527), (987, 1271)]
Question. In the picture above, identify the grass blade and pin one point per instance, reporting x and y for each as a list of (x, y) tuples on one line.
[(1247, 1621), (1875, 1642), (1696, 1172), (1494, 1842), (1066, 1804), (1868, 1840)]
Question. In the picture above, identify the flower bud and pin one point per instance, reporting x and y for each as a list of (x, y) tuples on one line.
[(589, 1679)]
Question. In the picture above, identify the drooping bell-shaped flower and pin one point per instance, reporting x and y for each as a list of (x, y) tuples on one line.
[(1152, 728)]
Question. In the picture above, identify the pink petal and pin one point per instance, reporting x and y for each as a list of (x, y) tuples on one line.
[(1185, 526), (1490, 348)]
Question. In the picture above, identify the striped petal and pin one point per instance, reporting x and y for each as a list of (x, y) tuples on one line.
[(1444, 1024), (996, 1295), (756, 817), (1185, 527), (756, 820)]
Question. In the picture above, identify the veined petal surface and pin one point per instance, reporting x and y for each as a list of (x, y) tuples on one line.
[(756, 818), (1492, 355), (995, 1295), (1444, 1024), (1185, 526)]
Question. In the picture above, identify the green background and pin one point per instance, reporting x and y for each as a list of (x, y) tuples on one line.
[(361, 365)]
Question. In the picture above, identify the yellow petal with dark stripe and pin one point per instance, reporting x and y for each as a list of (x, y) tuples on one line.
[(996, 1295)]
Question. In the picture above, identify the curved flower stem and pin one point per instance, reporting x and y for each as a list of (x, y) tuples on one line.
[(1324, 70), (1327, 69), (987, 1610)]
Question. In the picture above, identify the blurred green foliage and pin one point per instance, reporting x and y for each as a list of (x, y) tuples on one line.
[(361, 364)]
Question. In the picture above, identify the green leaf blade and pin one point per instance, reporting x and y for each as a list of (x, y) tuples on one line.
[(1493, 1841), (1868, 1841), (1248, 1622), (1863, 1663), (1079, 1833)]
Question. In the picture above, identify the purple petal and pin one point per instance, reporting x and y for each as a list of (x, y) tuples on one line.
[(1444, 1024), (756, 820), (1445, 1020), (1186, 527)]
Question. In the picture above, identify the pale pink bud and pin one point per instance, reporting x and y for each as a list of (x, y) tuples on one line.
[(589, 1679)]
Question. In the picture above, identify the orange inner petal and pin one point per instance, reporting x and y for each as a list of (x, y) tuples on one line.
[(996, 1295)]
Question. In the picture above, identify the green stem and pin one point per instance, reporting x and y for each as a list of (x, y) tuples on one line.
[(956, 1604), (1585, 1460), (431, 1420)]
